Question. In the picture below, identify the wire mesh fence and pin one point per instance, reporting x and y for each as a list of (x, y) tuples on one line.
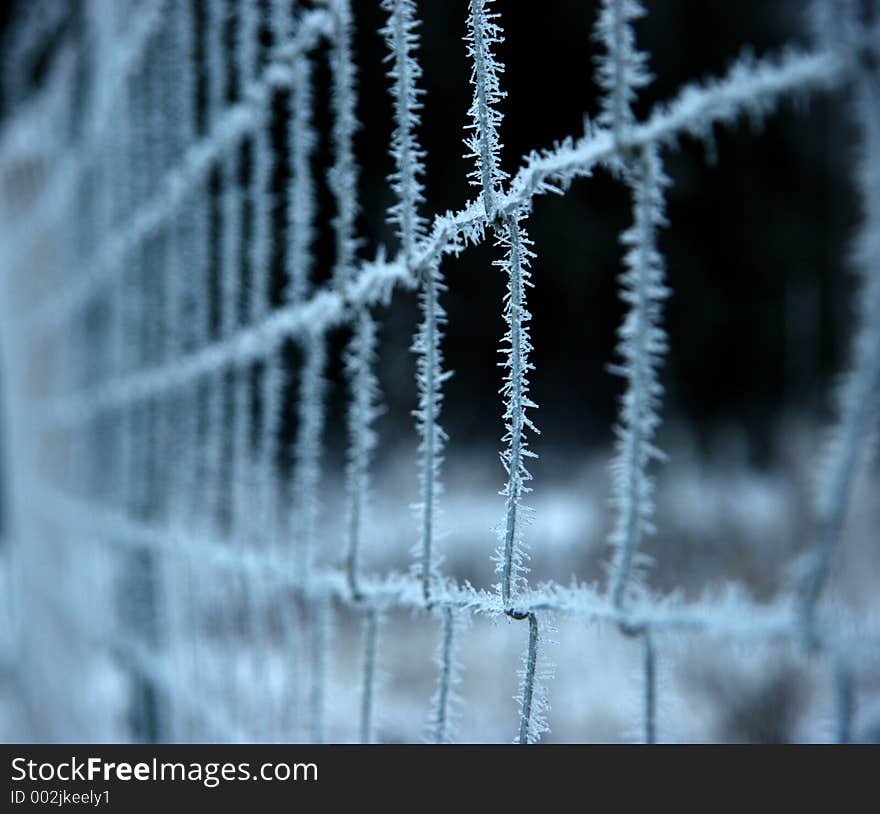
[(166, 342)]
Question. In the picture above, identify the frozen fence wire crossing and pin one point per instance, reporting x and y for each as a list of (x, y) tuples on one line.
[(156, 322)]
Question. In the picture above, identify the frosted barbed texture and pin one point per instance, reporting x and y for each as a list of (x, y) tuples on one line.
[(166, 342)]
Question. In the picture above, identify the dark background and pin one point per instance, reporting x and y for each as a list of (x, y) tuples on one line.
[(755, 251)]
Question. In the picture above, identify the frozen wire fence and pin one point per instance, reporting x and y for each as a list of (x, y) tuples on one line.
[(159, 508)]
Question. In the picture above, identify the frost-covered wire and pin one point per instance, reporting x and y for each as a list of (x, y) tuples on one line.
[(430, 377), (308, 453), (402, 38), (536, 672), (342, 177), (444, 704), (622, 69), (511, 556), (642, 345), (750, 86), (484, 143), (301, 192), (363, 410), (360, 356)]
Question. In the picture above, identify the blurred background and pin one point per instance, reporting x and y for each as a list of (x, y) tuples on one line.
[(759, 322)]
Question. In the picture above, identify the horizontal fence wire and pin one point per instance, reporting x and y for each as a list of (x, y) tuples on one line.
[(146, 457)]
